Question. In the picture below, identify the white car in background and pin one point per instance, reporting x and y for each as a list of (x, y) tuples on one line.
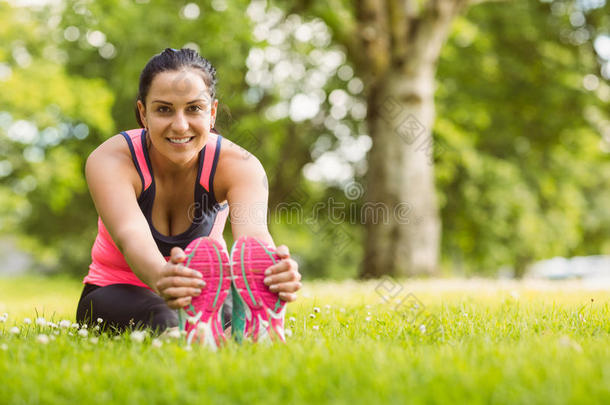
[(590, 268)]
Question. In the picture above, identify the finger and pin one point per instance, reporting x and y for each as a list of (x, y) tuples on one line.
[(180, 270), (167, 282), (179, 302), (177, 255), (290, 287), (282, 278), (277, 268), (282, 251), (288, 297), (173, 270), (180, 292), (284, 265)]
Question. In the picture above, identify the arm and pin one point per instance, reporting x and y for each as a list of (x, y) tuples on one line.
[(114, 185), (241, 180)]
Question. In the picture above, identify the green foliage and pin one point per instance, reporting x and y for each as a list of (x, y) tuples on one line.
[(518, 152), (50, 117), (519, 168)]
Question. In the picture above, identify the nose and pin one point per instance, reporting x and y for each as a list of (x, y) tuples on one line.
[(180, 123)]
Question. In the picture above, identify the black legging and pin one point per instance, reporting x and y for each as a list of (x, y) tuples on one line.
[(124, 306)]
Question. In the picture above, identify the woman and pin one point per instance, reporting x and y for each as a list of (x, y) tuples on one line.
[(142, 183)]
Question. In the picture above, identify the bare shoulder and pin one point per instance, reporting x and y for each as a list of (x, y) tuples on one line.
[(236, 165), (112, 160)]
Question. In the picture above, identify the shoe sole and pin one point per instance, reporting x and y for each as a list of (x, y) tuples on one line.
[(202, 318), (264, 309)]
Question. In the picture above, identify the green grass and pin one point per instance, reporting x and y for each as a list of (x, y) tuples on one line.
[(484, 342)]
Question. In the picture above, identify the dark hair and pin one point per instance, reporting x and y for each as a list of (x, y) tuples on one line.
[(170, 60)]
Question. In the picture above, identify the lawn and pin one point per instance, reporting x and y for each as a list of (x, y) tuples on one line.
[(429, 341)]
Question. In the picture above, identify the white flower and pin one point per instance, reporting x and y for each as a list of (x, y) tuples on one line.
[(316, 309), (368, 307), (422, 328), (315, 327), (97, 327), (3, 346), (292, 319), (312, 316), (51, 325), (368, 313), (368, 319), (40, 321), (27, 321), (5, 315), (287, 332), (2, 319), (138, 336), (83, 333), (64, 324), (42, 338), (327, 306), (156, 343), (56, 333), (84, 326), (74, 325), (14, 330), (174, 333), (94, 340), (100, 320)]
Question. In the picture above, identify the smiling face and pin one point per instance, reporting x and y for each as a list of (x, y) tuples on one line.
[(178, 113)]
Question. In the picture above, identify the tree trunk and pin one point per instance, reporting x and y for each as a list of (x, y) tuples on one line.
[(402, 234), (401, 215)]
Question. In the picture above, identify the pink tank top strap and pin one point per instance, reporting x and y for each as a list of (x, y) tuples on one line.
[(209, 158), (136, 136)]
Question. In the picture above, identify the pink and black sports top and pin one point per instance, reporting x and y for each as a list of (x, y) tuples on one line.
[(108, 265)]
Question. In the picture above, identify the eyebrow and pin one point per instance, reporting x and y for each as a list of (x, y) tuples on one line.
[(190, 102)]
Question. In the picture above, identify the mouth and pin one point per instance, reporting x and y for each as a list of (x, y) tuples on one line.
[(180, 141)]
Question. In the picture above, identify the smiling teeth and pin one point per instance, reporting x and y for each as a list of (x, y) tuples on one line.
[(181, 140)]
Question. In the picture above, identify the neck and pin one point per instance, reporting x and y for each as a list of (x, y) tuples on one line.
[(165, 169)]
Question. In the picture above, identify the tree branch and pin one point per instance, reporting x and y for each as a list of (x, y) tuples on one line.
[(374, 35), (399, 27), (471, 3)]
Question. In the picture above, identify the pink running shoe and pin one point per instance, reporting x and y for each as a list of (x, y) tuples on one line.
[(202, 319), (264, 310)]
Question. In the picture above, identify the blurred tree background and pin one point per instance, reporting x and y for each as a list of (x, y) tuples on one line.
[(521, 135)]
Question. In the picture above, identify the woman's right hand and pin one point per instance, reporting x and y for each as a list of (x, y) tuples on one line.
[(178, 284)]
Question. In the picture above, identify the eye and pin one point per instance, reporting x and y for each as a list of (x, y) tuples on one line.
[(195, 108), (163, 109)]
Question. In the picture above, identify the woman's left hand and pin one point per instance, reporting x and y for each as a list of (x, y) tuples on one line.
[(284, 277)]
